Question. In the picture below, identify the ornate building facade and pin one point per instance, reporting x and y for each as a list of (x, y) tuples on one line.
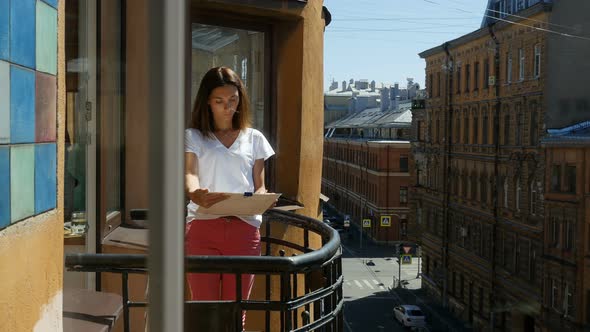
[(567, 216), (480, 168)]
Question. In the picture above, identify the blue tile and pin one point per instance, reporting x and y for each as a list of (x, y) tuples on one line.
[(4, 102), (4, 30), (4, 186), (52, 3), (45, 177), (22, 32), (22, 105)]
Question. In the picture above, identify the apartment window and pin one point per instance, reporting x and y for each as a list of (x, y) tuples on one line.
[(466, 130), (569, 300), (507, 129), (456, 131), (483, 189), (476, 76), (485, 130), (419, 131), (570, 178), (437, 137), (430, 87), (519, 124), (537, 67), (521, 64), (506, 192), (403, 163), (533, 265), (464, 186), (480, 301), (473, 187), (517, 195), (533, 200), (467, 78), (475, 130), (556, 178), (486, 73), (555, 232), (533, 127), (458, 79), (439, 84), (554, 294), (569, 235), (508, 67), (403, 195)]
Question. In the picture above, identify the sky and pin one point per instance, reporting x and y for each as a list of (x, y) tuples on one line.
[(380, 39)]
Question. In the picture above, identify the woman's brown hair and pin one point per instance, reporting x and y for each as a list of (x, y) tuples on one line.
[(201, 117)]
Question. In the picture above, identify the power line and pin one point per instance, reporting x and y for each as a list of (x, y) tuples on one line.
[(393, 30), (531, 19), (540, 29), (403, 18), (518, 23), (348, 28)]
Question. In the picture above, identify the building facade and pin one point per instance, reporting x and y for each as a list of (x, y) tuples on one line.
[(480, 169), (567, 220), (366, 170)]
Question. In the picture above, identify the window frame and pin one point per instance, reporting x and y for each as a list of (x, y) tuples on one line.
[(521, 64), (537, 61)]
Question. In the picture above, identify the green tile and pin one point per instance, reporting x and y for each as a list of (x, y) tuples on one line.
[(22, 182), (46, 38)]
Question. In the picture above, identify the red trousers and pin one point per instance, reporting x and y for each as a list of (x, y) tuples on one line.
[(227, 236)]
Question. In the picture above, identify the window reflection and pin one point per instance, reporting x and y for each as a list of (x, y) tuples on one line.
[(241, 50)]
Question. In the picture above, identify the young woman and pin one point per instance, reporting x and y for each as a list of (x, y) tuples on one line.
[(222, 154)]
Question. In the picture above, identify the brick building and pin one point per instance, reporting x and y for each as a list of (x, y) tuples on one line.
[(366, 170), (567, 216), (480, 169)]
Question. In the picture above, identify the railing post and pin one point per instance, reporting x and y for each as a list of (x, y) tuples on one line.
[(125, 292), (167, 37)]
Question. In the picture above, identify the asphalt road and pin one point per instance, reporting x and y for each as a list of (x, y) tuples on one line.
[(368, 277)]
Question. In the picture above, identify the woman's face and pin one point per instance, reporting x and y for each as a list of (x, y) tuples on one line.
[(223, 102)]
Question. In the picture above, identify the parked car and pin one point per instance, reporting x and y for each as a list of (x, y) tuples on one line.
[(410, 315)]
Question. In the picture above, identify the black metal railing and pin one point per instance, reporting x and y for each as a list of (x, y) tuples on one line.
[(310, 280)]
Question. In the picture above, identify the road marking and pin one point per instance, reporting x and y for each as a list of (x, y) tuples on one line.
[(368, 284), (348, 284), (358, 284), (380, 284)]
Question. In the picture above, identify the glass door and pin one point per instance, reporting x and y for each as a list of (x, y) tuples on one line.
[(80, 144)]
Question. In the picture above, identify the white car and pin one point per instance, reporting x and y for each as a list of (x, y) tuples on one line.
[(410, 315)]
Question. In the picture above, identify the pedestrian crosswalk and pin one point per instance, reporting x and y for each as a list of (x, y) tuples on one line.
[(365, 284)]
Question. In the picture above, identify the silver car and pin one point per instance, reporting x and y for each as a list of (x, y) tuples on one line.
[(410, 315)]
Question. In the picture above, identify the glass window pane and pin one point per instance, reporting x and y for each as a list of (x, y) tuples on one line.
[(240, 50)]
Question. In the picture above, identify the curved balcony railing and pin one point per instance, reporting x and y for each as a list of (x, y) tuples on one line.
[(310, 281)]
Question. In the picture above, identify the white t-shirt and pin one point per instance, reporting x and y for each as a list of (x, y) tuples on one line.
[(224, 169)]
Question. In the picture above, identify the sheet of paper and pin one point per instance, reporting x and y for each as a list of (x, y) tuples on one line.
[(241, 204)]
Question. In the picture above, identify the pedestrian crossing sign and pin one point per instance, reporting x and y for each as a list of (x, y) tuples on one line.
[(406, 259), (367, 223), (385, 221)]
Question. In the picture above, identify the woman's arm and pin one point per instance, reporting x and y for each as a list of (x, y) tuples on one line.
[(258, 176), (198, 195)]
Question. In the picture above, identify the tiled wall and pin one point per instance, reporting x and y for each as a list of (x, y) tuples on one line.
[(28, 88)]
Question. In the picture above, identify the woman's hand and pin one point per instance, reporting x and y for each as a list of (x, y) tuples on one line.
[(203, 198)]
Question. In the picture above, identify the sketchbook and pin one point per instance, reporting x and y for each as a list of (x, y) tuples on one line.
[(246, 204)]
